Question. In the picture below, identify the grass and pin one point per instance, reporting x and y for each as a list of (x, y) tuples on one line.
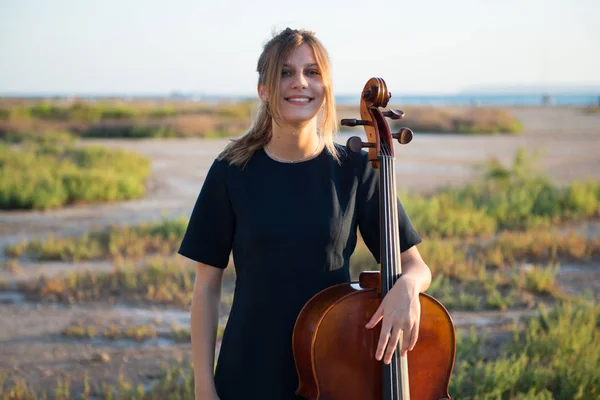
[(42, 176), (137, 119), (481, 258), (79, 330), (158, 280), (114, 242), (552, 356), (462, 120), (492, 271), (48, 138), (473, 120), (521, 220), (518, 264), (499, 273), (514, 269), (121, 119), (175, 382), (506, 198), (592, 110)]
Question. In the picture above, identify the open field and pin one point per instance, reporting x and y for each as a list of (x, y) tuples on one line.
[(46, 336)]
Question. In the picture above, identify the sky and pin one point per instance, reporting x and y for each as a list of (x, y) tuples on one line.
[(211, 47)]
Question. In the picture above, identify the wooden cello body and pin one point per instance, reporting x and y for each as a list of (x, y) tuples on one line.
[(333, 351)]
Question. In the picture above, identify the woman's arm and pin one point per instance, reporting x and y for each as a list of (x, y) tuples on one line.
[(204, 323), (415, 269)]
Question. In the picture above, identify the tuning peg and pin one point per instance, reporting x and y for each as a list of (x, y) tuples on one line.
[(394, 114), (355, 144), (404, 135), (354, 122)]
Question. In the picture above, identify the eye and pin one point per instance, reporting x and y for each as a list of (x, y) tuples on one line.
[(286, 73), (312, 72)]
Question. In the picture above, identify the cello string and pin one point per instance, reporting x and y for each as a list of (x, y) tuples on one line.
[(397, 270), (387, 370), (390, 230), (393, 271), (394, 258)]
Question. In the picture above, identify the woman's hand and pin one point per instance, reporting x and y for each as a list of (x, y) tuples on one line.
[(400, 311), (401, 307)]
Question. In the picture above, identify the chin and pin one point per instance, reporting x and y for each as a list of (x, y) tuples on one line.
[(298, 116), (297, 119)]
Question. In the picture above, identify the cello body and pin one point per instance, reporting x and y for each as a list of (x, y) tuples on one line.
[(333, 350), (337, 352)]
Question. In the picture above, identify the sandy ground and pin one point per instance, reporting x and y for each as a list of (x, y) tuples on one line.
[(32, 348)]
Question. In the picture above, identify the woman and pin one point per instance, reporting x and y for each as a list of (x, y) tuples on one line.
[(288, 202)]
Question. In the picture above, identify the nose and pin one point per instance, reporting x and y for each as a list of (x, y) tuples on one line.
[(299, 81)]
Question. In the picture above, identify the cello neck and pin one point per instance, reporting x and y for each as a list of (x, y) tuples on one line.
[(395, 375), (391, 267)]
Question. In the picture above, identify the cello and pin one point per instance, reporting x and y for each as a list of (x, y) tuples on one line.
[(333, 351)]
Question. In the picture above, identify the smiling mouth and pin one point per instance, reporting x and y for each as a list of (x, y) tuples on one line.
[(299, 100)]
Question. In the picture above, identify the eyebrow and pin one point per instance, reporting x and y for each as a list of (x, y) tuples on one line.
[(305, 65)]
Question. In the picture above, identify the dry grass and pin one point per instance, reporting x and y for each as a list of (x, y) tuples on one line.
[(449, 119), (143, 118)]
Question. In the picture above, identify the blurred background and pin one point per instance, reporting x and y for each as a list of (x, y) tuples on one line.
[(203, 49), (112, 112)]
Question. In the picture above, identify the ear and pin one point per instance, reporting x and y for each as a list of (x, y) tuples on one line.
[(262, 93)]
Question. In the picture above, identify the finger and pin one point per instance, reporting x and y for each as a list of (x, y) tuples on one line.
[(405, 340), (384, 337), (375, 318), (395, 337), (408, 341), (414, 336)]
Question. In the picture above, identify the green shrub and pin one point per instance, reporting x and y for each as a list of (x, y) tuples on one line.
[(506, 198), (81, 111), (162, 112), (114, 242), (4, 114), (555, 357), (129, 130), (582, 198), (48, 111), (477, 120), (43, 138), (443, 215), (44, 176), (117, 113)]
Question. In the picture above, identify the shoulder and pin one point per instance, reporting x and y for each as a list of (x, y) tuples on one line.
[(356, 164), (348, 158), (225, 167)]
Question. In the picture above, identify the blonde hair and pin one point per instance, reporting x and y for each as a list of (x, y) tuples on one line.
[(270, 65)]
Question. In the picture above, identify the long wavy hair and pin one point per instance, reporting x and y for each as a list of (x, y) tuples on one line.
[(270, 65)]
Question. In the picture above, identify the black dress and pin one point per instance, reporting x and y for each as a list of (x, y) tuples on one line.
[(292, 229)]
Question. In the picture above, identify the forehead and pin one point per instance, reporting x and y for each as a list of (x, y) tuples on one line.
[(301, 56)]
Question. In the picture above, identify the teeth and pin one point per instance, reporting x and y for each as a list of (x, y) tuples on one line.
[(300, 99)]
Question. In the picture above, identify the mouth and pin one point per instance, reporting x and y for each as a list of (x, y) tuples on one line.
[(299, 100)]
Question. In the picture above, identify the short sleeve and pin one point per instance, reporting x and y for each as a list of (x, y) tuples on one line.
[(368, 214), (209, 235)]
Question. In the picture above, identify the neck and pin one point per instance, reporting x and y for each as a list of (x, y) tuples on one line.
[(294, 142)]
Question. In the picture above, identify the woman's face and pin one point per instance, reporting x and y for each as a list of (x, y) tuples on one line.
[(301, 91)]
